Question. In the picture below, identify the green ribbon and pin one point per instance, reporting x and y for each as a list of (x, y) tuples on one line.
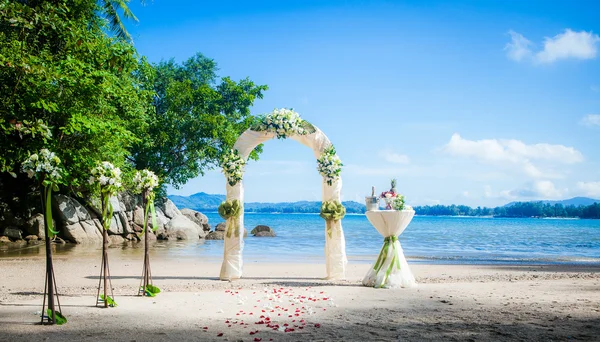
[(48, 216), (387, 242), (230, 211), (332, 211), (150, 209), (107, 211)]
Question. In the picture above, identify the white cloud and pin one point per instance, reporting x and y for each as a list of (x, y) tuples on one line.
[(511, 153), (543, 189), (518, 48), (392, 157), (589, 188), (591, 120), (569, 44)]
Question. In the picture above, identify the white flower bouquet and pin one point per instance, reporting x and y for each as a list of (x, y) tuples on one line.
[(44, 165), (233, 167), (108, 177), (144, 180), (329, 165), (284, 123)]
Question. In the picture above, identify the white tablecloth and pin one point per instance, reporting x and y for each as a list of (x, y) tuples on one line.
[(391, 269)]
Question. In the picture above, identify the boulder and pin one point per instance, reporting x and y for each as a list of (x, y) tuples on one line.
[(138, 216), (125, 223), (169, 209), (216, 235), (31, 238), (4, 239), (195, 216), (116, 227), (13, 233), (220, 227), (114, 201), (35, 226), (115, 239), (132, 237), (69, 210), (263, 231), (93, 233), (74, 232), (128, 200), (182, 228)]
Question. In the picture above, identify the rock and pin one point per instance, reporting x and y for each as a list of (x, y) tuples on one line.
[(125, 223), (82, 232), (206, 227), (115, 239), (116, 228), (114, 201), (74, 232), (138, 216), (69, 210), (220, 227), (94, 234), (216, 235), (31, 238), (35, 226), (265, 234), (182, 228), (195, 216), (263, 231), (136, 228), (58, 240), (129, 200), (4, 239), (132, 237), (169, 209), (13, 233)]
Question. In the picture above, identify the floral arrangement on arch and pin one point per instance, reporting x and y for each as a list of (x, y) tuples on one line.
[(144, 182), (233, 167), (329, 165), (284, 123)]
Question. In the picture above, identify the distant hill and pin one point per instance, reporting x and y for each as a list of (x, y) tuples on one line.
[(576, 201), (208, 202)]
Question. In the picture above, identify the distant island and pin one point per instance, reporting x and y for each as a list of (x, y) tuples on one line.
[(577, 207)]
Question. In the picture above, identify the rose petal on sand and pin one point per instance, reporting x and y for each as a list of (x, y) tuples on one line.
[(220, 334)]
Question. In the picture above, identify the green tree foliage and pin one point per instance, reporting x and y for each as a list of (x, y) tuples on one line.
[(58, 69), (196, 117), (518, 209)]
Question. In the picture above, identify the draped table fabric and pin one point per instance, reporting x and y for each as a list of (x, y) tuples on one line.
[(391, 269), (335, 244)]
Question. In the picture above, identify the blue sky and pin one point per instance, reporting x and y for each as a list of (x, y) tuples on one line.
[(465, 102)]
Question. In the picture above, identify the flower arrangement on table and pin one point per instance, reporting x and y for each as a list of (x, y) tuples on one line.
[(284, 123), (329, 165), (233, 167), (393, 200)]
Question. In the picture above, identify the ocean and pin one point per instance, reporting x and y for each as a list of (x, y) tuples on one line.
[(440, 240)]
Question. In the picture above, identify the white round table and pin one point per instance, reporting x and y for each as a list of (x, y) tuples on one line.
[(391, 269)]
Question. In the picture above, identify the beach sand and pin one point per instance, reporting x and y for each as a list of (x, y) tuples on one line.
[(451, 302)]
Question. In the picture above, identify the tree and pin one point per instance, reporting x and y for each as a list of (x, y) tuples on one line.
[(60, 73), (110, 9), (194, 119)]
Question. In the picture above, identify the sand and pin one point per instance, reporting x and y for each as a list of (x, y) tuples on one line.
[(451, 302)]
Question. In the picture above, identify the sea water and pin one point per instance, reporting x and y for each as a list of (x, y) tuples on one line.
[(463, 240)]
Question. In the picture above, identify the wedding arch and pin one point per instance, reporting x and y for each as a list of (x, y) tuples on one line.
[(283, 123)]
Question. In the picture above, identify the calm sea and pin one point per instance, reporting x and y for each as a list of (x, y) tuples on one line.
[(464, 240)]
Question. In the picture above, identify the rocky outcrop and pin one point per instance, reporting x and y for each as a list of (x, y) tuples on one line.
[(263, 231), (216, 235), (198, 217), (78, 221)]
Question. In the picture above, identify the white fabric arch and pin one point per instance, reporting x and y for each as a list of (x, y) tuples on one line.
[(335, 246)]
